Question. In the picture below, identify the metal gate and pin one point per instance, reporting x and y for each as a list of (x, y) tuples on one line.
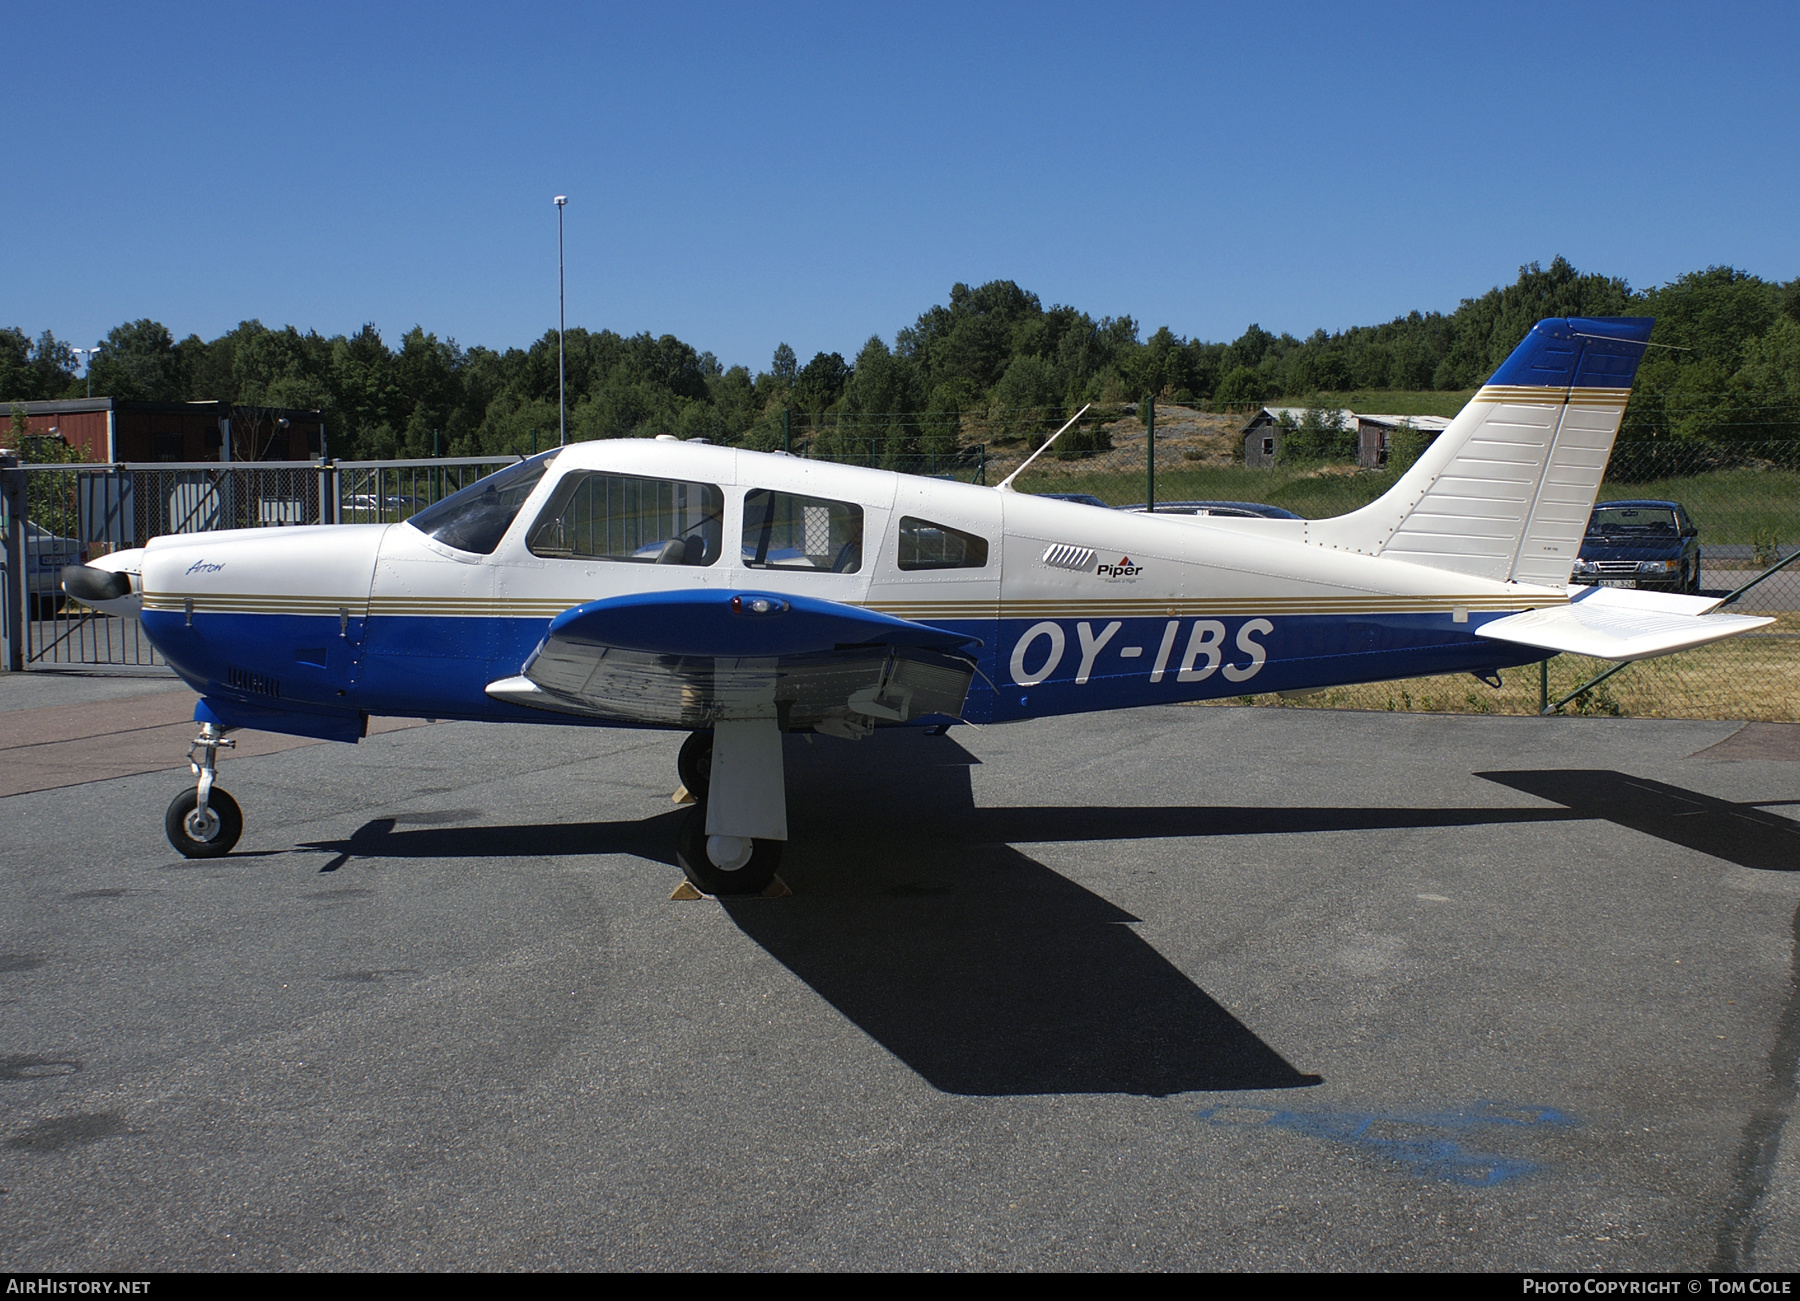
[(56, 515)]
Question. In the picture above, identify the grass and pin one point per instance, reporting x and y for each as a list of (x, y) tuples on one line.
[(1310, 492), (1756, 676), (1730, 506)]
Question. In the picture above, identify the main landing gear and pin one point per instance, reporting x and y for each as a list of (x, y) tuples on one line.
[(205, 822), (730, 840)]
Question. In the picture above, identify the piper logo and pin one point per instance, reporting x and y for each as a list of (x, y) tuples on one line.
[(1124, 569)]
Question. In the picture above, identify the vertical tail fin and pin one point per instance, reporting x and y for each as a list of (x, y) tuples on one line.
[(1504, 492)]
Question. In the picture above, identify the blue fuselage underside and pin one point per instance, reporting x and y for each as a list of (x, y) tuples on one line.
[(439, 667)]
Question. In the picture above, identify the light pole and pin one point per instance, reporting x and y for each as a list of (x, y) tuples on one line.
[(562, 406), (90, 364)]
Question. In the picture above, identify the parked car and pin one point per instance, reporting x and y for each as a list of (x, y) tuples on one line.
[(45, 556), (1084, 498), (1229, 509), (1652, 544)]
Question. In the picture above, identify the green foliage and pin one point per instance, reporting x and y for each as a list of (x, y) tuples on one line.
[(1243, 388), (991, 362), (1321, 435), (139, 361), (1404, 446), (34, 372)]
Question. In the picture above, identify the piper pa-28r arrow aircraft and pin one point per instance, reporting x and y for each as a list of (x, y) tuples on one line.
[(738, 595)]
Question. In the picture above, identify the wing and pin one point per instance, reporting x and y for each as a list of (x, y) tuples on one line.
[(689, 659), (1615, 624)]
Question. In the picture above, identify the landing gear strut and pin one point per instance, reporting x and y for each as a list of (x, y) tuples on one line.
[(204, 822)]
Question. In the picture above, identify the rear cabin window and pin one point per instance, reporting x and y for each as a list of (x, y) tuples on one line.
[(476, 518), (635, 521), (783, 530), (924, 545)]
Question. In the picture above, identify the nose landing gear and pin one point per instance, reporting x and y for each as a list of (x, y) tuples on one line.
[(204, 822)]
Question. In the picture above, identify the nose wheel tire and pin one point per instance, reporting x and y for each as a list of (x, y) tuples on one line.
[(694, 764), (701, 857), (203, 835)]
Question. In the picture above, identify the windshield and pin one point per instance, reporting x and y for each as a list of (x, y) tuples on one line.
[(476, 518), (1632, 519)]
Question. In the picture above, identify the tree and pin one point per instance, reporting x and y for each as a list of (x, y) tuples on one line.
[(1322, 434), (880, 405), (821, 382), (138, 362), (34, 372), (1243, 387), (784, 365), (1027, 400)]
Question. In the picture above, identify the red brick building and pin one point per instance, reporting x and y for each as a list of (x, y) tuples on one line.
[(110, 430)]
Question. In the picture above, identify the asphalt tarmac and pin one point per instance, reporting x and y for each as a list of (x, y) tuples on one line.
[(1214, 988)]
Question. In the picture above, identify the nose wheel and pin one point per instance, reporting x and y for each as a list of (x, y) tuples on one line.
[(204, 822), (208, 832)]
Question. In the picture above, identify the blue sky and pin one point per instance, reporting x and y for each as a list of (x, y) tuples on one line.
[(743, 175)]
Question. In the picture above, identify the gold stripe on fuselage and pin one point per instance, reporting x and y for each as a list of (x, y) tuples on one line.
[(1096, 607)]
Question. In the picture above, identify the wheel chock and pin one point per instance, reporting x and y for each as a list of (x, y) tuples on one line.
[(776, 889), (683, 795)]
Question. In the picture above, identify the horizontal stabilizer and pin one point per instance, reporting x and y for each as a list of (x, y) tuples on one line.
[(1616, 624)]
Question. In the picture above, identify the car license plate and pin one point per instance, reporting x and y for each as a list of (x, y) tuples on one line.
[(1618, 582)]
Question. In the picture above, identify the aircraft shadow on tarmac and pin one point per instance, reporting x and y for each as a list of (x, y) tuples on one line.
[(990, 974), (1738, 833)]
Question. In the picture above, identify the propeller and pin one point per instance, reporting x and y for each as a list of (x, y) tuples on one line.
[(90, 585)]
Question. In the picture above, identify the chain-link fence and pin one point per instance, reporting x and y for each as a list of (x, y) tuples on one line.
[(1741, 493), (1739, 489)]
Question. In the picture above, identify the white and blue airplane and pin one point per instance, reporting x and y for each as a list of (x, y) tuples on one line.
[(739, 595)]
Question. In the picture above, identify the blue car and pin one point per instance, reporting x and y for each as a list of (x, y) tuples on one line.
[(1652, 544)]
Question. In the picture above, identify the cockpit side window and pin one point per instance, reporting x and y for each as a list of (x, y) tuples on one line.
[(476, 518), (636, 521), (783, 530), (924, 545)]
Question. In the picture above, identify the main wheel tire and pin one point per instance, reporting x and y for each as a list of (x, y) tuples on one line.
[(709, 878), (694, 764), (215, 836)]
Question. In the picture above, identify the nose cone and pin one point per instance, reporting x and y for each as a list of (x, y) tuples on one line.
[(112, 584), (269, 616)]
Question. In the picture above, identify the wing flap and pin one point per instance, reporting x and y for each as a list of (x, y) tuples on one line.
[(1622, 625)]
